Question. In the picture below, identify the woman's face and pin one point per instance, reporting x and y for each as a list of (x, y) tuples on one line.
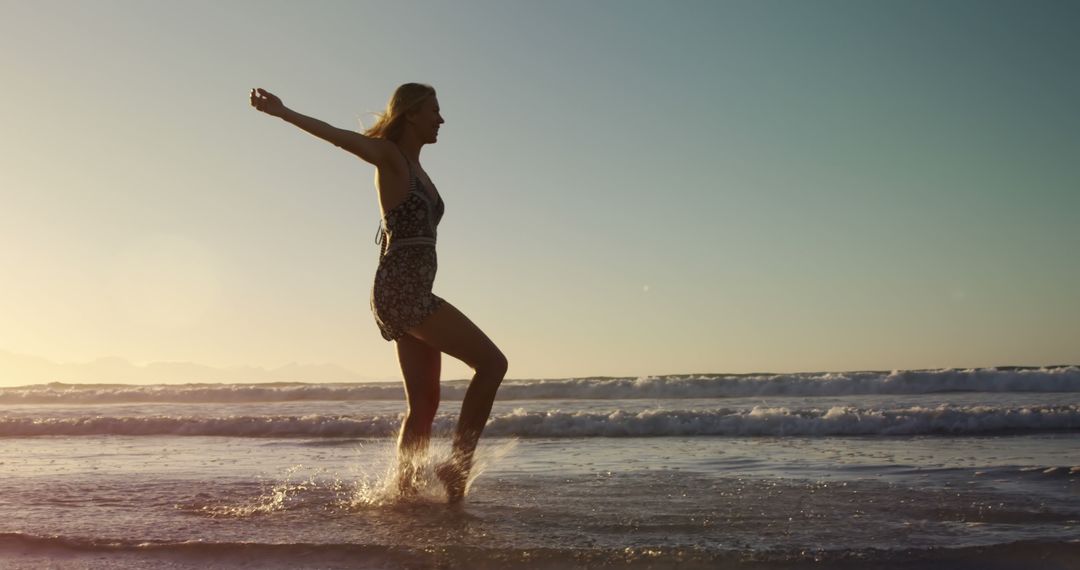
[(426, 120)]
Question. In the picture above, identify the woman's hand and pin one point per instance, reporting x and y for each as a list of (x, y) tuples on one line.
[(267, 102)]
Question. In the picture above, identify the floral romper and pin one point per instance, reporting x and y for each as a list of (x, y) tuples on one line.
[(402, 297)]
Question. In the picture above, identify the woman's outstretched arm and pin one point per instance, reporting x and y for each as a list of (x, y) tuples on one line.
[(375, 151)]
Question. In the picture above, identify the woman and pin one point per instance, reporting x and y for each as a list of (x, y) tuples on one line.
[(423, 325)]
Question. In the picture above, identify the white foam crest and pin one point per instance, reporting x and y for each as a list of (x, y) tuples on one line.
[(60, 393), (313, 425), (765, 421), (837, 420), (1052, 379)]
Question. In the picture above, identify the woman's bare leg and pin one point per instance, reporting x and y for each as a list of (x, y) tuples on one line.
[(449, 331), (420, 366)]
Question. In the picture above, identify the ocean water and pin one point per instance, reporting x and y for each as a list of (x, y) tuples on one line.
[(904, 469)]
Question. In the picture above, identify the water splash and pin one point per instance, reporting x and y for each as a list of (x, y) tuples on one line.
[(373, 483), (381, 487), (279, 496)]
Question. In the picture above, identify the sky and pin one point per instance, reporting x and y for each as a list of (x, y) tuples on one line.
[(632, 188)]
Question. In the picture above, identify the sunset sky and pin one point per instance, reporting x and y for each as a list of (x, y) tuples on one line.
[(632, 188)]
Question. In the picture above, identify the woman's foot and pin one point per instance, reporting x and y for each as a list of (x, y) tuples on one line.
[(406, 481), (454, 479)]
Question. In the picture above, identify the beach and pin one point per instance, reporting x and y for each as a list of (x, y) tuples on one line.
[(974, 468)]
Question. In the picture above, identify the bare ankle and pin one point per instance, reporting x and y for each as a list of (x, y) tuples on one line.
[(454, 478)]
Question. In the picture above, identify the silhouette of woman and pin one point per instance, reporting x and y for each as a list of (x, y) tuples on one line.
[(423, 325)]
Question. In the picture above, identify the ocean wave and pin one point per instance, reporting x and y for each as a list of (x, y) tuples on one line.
[(1054, 379), (758, 421)]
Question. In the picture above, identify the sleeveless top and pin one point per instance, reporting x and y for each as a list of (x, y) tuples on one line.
[(413, 221)]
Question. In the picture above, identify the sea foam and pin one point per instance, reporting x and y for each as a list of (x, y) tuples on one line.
[(757, 421), (1056, 379)]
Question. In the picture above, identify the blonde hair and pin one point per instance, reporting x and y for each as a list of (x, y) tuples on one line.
[(406, 98)]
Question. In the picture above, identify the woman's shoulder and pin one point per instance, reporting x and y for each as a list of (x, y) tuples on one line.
[(394, 161)]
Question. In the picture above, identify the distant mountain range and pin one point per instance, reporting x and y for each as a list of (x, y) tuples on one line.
[(20, 369)]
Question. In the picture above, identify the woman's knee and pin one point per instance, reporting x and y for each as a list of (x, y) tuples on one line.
[(494, 364)]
